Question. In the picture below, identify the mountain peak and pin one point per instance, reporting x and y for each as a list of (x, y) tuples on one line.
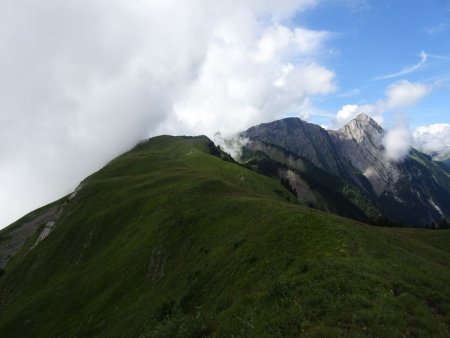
[(362, 124), (363, 117), (361, 128)]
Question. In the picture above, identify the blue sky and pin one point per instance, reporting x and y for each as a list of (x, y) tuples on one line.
[(377, 38)]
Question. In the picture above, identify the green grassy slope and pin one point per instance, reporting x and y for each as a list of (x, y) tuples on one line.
[(168, 240)]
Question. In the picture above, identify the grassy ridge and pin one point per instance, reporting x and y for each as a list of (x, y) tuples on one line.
[(169, 240)]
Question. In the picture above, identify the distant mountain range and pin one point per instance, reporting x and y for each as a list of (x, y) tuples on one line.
[(346, 172)]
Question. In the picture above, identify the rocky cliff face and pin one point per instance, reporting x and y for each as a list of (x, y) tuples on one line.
[(414, 192), (302, 138), (359, 142)]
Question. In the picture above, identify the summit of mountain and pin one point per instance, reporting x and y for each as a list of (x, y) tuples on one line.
[(413, 192)]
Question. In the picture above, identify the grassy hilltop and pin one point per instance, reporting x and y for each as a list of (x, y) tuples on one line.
[(171, 239)]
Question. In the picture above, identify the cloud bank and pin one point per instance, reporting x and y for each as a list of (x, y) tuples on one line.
[(434, 139), (84, 81), (250, 77), (399, 95)]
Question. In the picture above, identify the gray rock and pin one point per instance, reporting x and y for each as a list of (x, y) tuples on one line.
[(359, 142)]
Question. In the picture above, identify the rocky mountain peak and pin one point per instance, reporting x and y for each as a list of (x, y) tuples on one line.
[(360, 142), (364, 118), (360, 128)]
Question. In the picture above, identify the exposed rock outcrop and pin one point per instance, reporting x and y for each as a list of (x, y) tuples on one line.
[(16, 238)]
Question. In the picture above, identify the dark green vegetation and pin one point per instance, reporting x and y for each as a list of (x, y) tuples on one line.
[(331, 193), (170, 240)]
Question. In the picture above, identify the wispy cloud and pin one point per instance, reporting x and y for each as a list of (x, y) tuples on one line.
[(439, 57), (441, 27), (407, 70), (357, 5), (349, 93)]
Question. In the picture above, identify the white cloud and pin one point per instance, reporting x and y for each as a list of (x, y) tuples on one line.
[(231, 143), (308, 41), (398, 141), (404, 94), (399, 95), (407, 70), (83, 81), (279, 41), (242, 84), (348, 112), (433, 139)]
